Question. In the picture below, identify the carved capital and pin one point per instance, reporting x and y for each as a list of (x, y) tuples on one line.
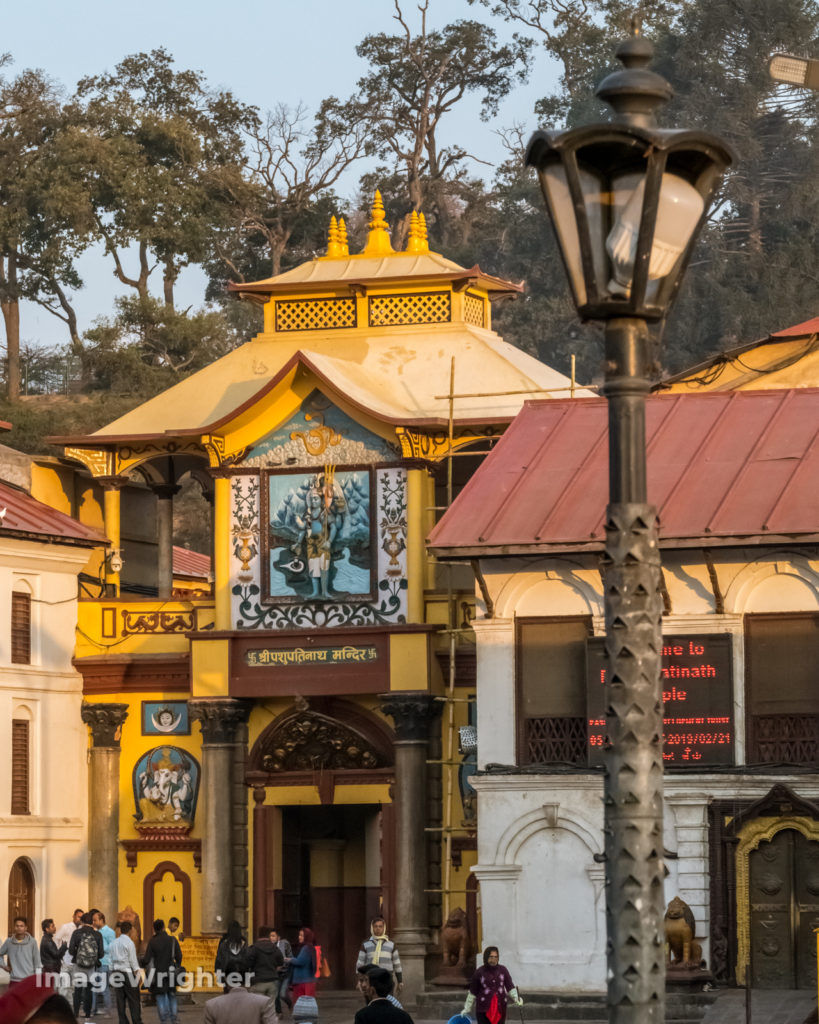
[(219, 717), (113, 483), (105, 722), (165, 492), (412, 712)]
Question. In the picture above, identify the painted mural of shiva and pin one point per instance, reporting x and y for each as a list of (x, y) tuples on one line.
[(324, 518)]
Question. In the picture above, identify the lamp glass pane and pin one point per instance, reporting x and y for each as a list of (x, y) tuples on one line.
[(595, 201), (678, 213), (556, 189)]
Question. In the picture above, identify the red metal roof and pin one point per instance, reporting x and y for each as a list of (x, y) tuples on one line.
[(24, 516), (190, 563), (799, 330), (723, 467)]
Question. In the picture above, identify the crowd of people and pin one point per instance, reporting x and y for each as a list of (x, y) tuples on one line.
[(76, 968)]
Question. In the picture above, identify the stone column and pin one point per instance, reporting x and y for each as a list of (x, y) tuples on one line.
[(412, 713), (105, 721), (111, 486), (260, 855), (164, 538), (219, 718)]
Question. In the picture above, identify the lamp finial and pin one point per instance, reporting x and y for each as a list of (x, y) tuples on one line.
[(378, 240), (333, 247), (635, 93), (417, 240), (342, 237)]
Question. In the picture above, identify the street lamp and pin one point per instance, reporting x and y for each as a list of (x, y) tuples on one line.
[(627, 200), (800, 72)]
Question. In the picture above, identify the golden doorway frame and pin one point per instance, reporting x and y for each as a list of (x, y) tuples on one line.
[(760, 830)]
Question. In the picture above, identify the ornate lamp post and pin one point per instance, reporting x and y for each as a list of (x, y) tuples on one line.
[(627, 200)]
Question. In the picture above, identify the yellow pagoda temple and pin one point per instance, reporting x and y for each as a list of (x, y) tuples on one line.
[(276, 750)]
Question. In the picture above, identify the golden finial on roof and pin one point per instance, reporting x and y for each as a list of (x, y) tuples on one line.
[(342, 237), (417, 239), (378, 240), (333, 240)]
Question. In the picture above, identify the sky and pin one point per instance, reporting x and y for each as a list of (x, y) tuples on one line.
[(280, 51)]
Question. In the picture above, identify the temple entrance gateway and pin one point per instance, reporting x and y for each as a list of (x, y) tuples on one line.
[(784, 911), (331, 872)]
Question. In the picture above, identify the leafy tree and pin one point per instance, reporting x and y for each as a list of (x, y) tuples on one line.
[(415, 78), (281, 196), (753, 270), (149, 345), (158, 143), (44, 221)]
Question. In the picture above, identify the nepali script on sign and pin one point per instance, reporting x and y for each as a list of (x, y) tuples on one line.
[(266, 656)]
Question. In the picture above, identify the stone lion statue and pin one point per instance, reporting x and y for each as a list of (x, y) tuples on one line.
[(129, 914), (679, 935), (455, 939)]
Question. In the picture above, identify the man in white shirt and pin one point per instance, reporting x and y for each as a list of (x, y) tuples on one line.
[(65, 931), (124, 975)]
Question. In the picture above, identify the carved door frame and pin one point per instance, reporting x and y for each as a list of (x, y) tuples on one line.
[(735, 829), (753, 835), (22, 904), (354, 726)]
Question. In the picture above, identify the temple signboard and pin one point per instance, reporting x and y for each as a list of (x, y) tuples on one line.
[(324, 663), (267, 657), (697, 682)]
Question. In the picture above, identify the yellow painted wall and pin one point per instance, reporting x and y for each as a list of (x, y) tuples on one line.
[(133, 745)]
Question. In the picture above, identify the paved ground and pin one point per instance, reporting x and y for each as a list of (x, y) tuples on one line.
[(766, 1007), (340, 1007)]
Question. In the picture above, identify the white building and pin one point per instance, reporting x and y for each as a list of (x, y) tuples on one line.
[(43, 741), (736, 480)]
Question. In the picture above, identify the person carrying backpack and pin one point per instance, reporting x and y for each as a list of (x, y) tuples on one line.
[(86, 950), (231, 953)]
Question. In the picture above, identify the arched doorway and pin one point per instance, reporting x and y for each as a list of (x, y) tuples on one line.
[(329, 865), (21, 894), (783, 877)]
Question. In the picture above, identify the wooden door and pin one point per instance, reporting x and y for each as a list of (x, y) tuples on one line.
[(21, 894), (784, 897)]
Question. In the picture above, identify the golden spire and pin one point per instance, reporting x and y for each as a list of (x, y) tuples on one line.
[(342, 237), (333, 241), (417, 239), (378, 240)]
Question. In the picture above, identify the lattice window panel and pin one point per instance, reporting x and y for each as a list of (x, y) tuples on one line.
[(785, 739), (392, 310), (315, 314), (473, 310), (556, 739)]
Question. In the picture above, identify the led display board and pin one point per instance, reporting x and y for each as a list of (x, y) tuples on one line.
[(697, 695)]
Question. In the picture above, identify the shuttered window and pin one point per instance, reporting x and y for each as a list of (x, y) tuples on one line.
[(19, 766), (551, 668), (20, 629), (781, 655)]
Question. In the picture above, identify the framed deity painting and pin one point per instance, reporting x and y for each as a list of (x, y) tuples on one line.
[(317, 535), (166, 785), (165, 718)]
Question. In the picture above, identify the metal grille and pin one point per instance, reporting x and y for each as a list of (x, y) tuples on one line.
[(785, 739), (20, 629), (391, 310), (315, 314), (19, 766), (556, 739), (473, 309)]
